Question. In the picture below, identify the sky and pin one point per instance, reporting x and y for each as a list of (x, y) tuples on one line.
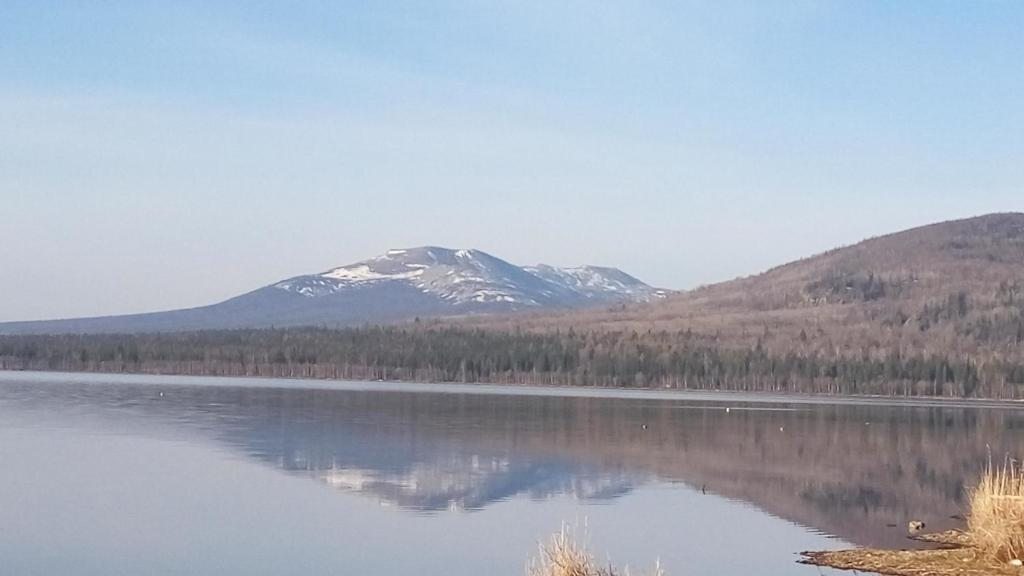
[(157, 155)]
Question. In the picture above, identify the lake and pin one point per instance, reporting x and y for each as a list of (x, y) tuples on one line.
[(110, 475)]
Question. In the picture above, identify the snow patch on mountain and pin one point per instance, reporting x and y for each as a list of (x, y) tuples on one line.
[(597, 282)]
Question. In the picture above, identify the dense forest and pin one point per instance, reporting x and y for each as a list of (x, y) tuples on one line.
[(659, 359)]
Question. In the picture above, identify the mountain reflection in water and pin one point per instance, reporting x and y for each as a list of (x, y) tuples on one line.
[(858, 472)]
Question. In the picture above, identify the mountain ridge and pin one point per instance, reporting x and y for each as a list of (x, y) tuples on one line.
[(401, 284)]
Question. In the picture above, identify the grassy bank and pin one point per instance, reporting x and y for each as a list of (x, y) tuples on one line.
[(992, 545)]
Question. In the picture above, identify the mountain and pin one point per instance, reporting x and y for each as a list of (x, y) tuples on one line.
[(398, 285), (953, 288)]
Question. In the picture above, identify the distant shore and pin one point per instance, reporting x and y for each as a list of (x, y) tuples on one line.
[(416, 386)]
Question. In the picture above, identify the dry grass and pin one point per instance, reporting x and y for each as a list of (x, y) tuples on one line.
[(991, 546), (564, 555), (996, 520)]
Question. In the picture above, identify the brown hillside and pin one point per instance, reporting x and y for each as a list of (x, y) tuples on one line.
[(953, 288)]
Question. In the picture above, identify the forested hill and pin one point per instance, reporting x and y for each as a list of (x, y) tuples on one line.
[(954, 289)]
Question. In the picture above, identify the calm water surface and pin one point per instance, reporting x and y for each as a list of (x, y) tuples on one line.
[(104, 475)]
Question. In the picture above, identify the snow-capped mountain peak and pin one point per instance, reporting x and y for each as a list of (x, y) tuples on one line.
[(473, 278)]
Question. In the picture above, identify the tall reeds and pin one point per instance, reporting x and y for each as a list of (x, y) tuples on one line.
[(564, 555), (996, 519)]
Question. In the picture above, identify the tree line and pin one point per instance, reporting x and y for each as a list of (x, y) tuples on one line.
[(661, 359)]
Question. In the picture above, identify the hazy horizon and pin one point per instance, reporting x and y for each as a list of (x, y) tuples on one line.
[(155, 157)]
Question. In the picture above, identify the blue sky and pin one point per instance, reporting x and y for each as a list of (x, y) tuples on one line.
[(156, 155)]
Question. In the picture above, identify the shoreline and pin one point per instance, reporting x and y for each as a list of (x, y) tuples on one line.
[(953, 553), (486, 388)]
